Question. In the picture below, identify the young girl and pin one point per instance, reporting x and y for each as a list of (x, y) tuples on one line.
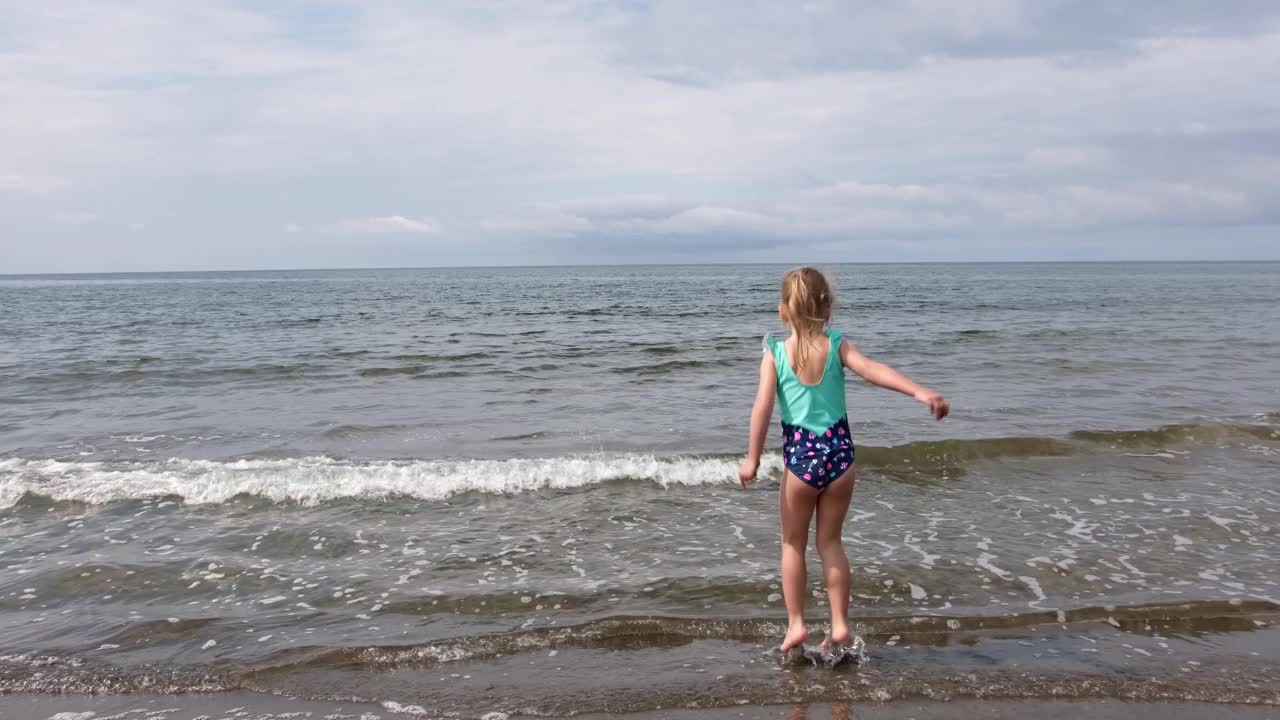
[(806, 373)]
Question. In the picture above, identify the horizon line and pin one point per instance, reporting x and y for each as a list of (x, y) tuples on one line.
[(650, 264)]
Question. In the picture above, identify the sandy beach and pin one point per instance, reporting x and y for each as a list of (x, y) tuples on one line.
[(255, 706)]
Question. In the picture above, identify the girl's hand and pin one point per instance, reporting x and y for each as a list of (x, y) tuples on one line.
[(747, 471), (938, 405)]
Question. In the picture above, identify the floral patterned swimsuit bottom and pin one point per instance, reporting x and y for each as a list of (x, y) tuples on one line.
[(818, 458), (816, 444)]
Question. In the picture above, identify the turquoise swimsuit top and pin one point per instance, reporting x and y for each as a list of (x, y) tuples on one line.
[(813, 407)]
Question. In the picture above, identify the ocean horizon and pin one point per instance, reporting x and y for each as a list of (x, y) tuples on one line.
[(1136, 261)]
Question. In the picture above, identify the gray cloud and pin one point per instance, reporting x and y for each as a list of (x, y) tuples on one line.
[(383, 224), (719, 40), (593, 130)]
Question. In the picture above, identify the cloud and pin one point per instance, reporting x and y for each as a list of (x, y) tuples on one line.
[(627, 216), (539, 221), (386, 224), (74, 218), (1066, 157), (712, 219), (624, 206), (598, 124), (862, 209), (30, 184)]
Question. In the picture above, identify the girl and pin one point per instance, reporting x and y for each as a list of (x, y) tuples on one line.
[(806, 372)]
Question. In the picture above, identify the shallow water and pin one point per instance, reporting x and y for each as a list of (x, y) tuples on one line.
[(514, 490)]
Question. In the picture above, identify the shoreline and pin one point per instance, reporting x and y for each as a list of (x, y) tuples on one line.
[(246, 705)]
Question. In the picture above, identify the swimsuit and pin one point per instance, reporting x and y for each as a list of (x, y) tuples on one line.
[(816, 444)]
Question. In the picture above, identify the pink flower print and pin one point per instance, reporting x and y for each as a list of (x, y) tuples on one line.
[(807, 476), (809, 443), (840, 430), (844, 466), (812, 436), (821, 471)]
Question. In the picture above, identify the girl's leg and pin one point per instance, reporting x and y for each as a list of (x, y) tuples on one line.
[(795, 506), (833, 505)]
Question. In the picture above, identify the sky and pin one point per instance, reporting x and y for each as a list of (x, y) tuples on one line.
[(208, 134)]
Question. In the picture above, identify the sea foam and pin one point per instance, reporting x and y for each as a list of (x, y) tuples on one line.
[(310, 480)]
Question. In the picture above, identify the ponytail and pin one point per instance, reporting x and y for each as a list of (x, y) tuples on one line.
[(807, 301)]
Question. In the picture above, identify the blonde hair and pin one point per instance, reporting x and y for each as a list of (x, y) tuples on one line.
[(807, 302)]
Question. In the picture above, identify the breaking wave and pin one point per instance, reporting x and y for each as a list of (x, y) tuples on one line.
[(311, 480)]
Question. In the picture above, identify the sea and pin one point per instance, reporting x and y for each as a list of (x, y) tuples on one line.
[(513, 491)]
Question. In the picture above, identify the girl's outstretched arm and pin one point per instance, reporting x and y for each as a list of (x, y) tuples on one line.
[(886, 377), (760, 415)]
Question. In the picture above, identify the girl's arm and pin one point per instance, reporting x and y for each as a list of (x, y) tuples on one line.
[(886, 377), (760, 415)]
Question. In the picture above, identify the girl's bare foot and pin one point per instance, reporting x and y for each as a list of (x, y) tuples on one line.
[(796, 634), (839, 635)]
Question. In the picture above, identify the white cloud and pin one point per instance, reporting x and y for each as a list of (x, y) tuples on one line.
[(624, 206), (860, 209), (386, 224), (711, 219), (539, 221), (30, 184), (836, 121), (1067, 157), (74, 218)]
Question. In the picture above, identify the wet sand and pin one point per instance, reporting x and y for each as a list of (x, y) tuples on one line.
[(258, 706), (975, 710)]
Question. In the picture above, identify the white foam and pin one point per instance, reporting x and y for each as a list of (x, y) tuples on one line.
[(1034, 586), (1224, 523), (395, 707), (312, 480), (926, 558), (1079, 528), (984, 562)]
